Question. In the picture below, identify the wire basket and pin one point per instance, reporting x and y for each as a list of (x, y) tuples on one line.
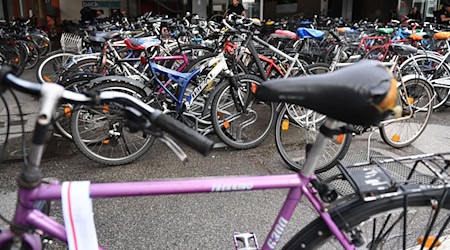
[(71, 42)]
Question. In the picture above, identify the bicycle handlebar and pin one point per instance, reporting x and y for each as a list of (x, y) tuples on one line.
[(166, 123)]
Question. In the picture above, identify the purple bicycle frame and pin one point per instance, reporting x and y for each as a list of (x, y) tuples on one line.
[(297, 183)]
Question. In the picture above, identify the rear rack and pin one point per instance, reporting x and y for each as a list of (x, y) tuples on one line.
[(388, 175)]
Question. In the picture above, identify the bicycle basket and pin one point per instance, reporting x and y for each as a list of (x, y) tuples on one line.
[(392, 175), (71, 42)]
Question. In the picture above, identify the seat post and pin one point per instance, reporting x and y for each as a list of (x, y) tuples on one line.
[(313, 156)]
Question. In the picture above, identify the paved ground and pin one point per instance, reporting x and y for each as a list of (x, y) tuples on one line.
[(194, 221)]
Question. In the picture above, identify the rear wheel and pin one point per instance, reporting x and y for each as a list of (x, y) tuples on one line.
[(295, 127), (433, 69), (99, 131), (61, 121), (415, 100), (380, 223)]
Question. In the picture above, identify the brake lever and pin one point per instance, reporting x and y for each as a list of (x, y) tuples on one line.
[(136, 122)]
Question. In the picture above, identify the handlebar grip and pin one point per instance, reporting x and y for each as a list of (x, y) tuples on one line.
[(185, 134)]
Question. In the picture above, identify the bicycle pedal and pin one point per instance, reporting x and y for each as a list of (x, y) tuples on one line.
[(245, 241)]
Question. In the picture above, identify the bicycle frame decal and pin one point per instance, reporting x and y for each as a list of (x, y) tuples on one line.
[(221, 66), (275, 235), (232, 187)]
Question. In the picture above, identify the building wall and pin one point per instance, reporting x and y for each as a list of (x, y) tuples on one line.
[(199, 7), (309, 8), (270, 9), (2, 15), (70, 9), (372, 10), (347, 9)]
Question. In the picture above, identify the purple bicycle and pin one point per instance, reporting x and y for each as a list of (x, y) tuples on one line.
[(387, 211)]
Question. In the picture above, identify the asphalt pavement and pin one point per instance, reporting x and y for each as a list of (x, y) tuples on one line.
[(199, 221)]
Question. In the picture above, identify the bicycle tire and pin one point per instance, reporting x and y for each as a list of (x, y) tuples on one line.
[(52, 67), (396, 133), (14, 58), (226, 122), (86, 65), (291, 138), (353, 213), (317, 68), (426, 63), (44, 44), (32, 54), (62, 114), (91, 147), (381, 54)]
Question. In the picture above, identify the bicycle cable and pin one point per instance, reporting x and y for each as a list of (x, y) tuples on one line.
[(22, 125), (8, 121)]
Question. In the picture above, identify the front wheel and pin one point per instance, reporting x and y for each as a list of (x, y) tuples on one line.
[(415, 99), (239, 119), (380, 223)]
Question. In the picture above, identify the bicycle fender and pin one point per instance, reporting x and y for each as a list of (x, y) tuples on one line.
[(133, 82), (421, 78)]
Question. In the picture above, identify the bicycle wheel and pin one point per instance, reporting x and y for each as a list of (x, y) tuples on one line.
[(99, 132), (433, 69), (51, 68), (14, 58), (238, 127), (295, 127), (86, 65), (32, 54), (380, 54), (61, 117), (44, 44), (379, 222), (415, 100), (317, 68)]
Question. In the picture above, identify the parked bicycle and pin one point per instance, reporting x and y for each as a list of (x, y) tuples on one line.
[(395, 213)]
